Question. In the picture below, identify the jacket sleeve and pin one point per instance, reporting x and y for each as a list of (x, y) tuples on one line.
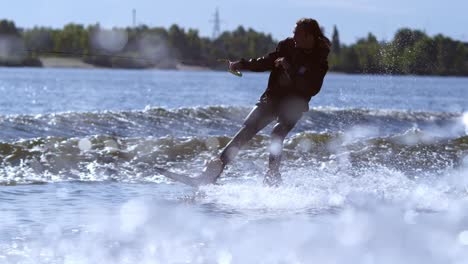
[(265, 63)]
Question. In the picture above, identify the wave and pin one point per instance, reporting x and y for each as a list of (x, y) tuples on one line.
[(99, 158), (216, 120)]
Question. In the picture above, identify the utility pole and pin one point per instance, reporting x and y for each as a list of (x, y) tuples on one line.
[(216, 24), (134, 17)]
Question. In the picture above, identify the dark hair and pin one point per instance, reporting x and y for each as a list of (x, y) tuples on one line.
[(311, 26)]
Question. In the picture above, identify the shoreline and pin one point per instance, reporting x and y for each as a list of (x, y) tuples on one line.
[(60, 62), (77, 63)]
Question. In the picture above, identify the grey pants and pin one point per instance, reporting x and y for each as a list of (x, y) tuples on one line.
[(286, 114)]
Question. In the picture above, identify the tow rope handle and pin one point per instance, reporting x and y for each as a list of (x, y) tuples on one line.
[(236, 73)]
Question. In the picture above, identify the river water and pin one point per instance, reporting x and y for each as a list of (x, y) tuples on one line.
[(375, 172)]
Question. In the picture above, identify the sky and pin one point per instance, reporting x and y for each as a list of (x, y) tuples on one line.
[(353, 18)]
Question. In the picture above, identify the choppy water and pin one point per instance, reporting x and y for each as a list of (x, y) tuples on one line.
[(376, 172)]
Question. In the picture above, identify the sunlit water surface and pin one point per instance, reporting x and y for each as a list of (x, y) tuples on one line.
[(376, 172)]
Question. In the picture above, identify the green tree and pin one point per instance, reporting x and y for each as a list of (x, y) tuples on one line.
[(368, 52), (349, 60), (407, 38), (72, 39), (12, 48), (336, 46), (39, 39), (409, 52), (421, 58), (177, 39), (450, 56), (8, 28)]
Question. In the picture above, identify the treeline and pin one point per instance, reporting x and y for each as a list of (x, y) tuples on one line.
[(12, 47), (139, 47), (409, 52)]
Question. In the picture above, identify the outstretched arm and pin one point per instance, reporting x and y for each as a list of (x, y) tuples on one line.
[(265, 63)]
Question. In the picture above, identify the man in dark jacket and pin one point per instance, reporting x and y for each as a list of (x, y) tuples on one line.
[(298, 67)]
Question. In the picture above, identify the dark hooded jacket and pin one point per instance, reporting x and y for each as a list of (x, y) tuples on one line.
[(304, 77)]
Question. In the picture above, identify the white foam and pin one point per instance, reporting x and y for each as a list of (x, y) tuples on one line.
[(319, 215), (132, 214), (182, 234), (358, 133), (308, 188), (255, 196), (410, 216)]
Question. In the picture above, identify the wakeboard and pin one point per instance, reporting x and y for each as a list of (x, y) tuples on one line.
[(185, 179)]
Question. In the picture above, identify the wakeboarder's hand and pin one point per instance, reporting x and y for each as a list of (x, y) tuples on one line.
[(282, 62), (235, 66)]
